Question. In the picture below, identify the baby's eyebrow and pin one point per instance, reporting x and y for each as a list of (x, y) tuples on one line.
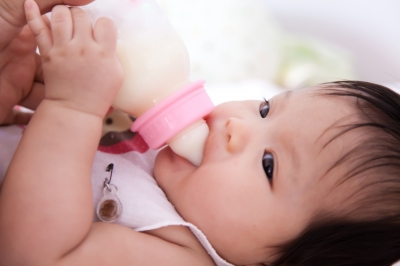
[(295, 153), (282, 102), (292, 152), (288, 94)]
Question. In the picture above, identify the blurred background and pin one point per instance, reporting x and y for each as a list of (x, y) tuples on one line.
[(367, 29), (289, 43)]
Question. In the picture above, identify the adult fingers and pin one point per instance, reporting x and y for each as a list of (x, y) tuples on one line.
[(61, 25), (35, 96), (38, 26), (47, 5), (39, 70), (105, 33), (82, 24), (17, 117), (7, 102)]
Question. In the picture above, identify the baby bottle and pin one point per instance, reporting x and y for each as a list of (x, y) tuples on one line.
[(156, 88)]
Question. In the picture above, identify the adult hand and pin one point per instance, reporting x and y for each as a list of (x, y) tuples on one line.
[(21, 79)]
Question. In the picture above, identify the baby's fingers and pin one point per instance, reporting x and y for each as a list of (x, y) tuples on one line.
[(38, 26), (105, 33), (61, 25)]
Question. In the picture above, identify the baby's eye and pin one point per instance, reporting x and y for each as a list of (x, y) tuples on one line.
[(264, 108), (268, 165)]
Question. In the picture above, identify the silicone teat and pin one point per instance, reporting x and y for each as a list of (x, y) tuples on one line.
[(190, 142), (178, 120)]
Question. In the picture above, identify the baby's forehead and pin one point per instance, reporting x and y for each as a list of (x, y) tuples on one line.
[(314, 125), (312, 110), (319, 96)]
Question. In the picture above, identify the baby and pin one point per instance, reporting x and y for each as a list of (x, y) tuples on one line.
[(310, 177)]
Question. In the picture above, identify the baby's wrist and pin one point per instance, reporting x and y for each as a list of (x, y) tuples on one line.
[(91, 99), (78, 100), (75, 108)]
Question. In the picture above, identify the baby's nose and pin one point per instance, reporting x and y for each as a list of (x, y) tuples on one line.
[(239, 133)]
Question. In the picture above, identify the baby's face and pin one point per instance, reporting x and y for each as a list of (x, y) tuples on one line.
[(243, 210)]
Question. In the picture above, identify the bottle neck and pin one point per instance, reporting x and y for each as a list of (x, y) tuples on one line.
[(170, 91), (172, 115)]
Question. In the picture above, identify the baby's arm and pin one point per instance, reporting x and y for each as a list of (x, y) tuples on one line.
[(46, 203)]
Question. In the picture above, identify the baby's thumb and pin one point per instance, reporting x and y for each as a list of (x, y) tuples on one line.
[(38, 26), (105, 33)]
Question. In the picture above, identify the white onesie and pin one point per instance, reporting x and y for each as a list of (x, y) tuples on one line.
[(145, 206)]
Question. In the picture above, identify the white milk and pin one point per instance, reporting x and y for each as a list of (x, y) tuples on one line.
[(154, 69), (155, 62)]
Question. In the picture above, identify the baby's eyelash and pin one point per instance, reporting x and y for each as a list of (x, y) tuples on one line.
[(264, 108)]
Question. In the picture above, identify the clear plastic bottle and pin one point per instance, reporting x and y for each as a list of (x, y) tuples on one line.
[(156, 88)]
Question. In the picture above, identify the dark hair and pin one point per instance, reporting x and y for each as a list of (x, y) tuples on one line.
[(368, 234)]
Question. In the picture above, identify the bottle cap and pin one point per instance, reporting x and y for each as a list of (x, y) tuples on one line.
[(175, 113)]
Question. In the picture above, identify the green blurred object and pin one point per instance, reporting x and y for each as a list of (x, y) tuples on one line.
[(237, 40), (307, 62)]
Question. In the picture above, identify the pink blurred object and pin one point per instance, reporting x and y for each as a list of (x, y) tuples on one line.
[(172, 115)]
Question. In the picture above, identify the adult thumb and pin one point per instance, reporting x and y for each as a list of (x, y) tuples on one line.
[(46, 5)]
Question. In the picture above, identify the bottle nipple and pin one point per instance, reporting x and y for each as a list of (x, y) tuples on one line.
[(190, 142), (178, 121)]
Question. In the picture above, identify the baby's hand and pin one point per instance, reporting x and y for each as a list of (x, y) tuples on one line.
[(80, 64)]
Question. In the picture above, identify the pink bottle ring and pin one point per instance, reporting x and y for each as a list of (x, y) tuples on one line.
[(175, 113)]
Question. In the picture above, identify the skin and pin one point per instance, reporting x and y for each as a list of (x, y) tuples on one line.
[(82, 74), (229, 197), (21, 76)]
